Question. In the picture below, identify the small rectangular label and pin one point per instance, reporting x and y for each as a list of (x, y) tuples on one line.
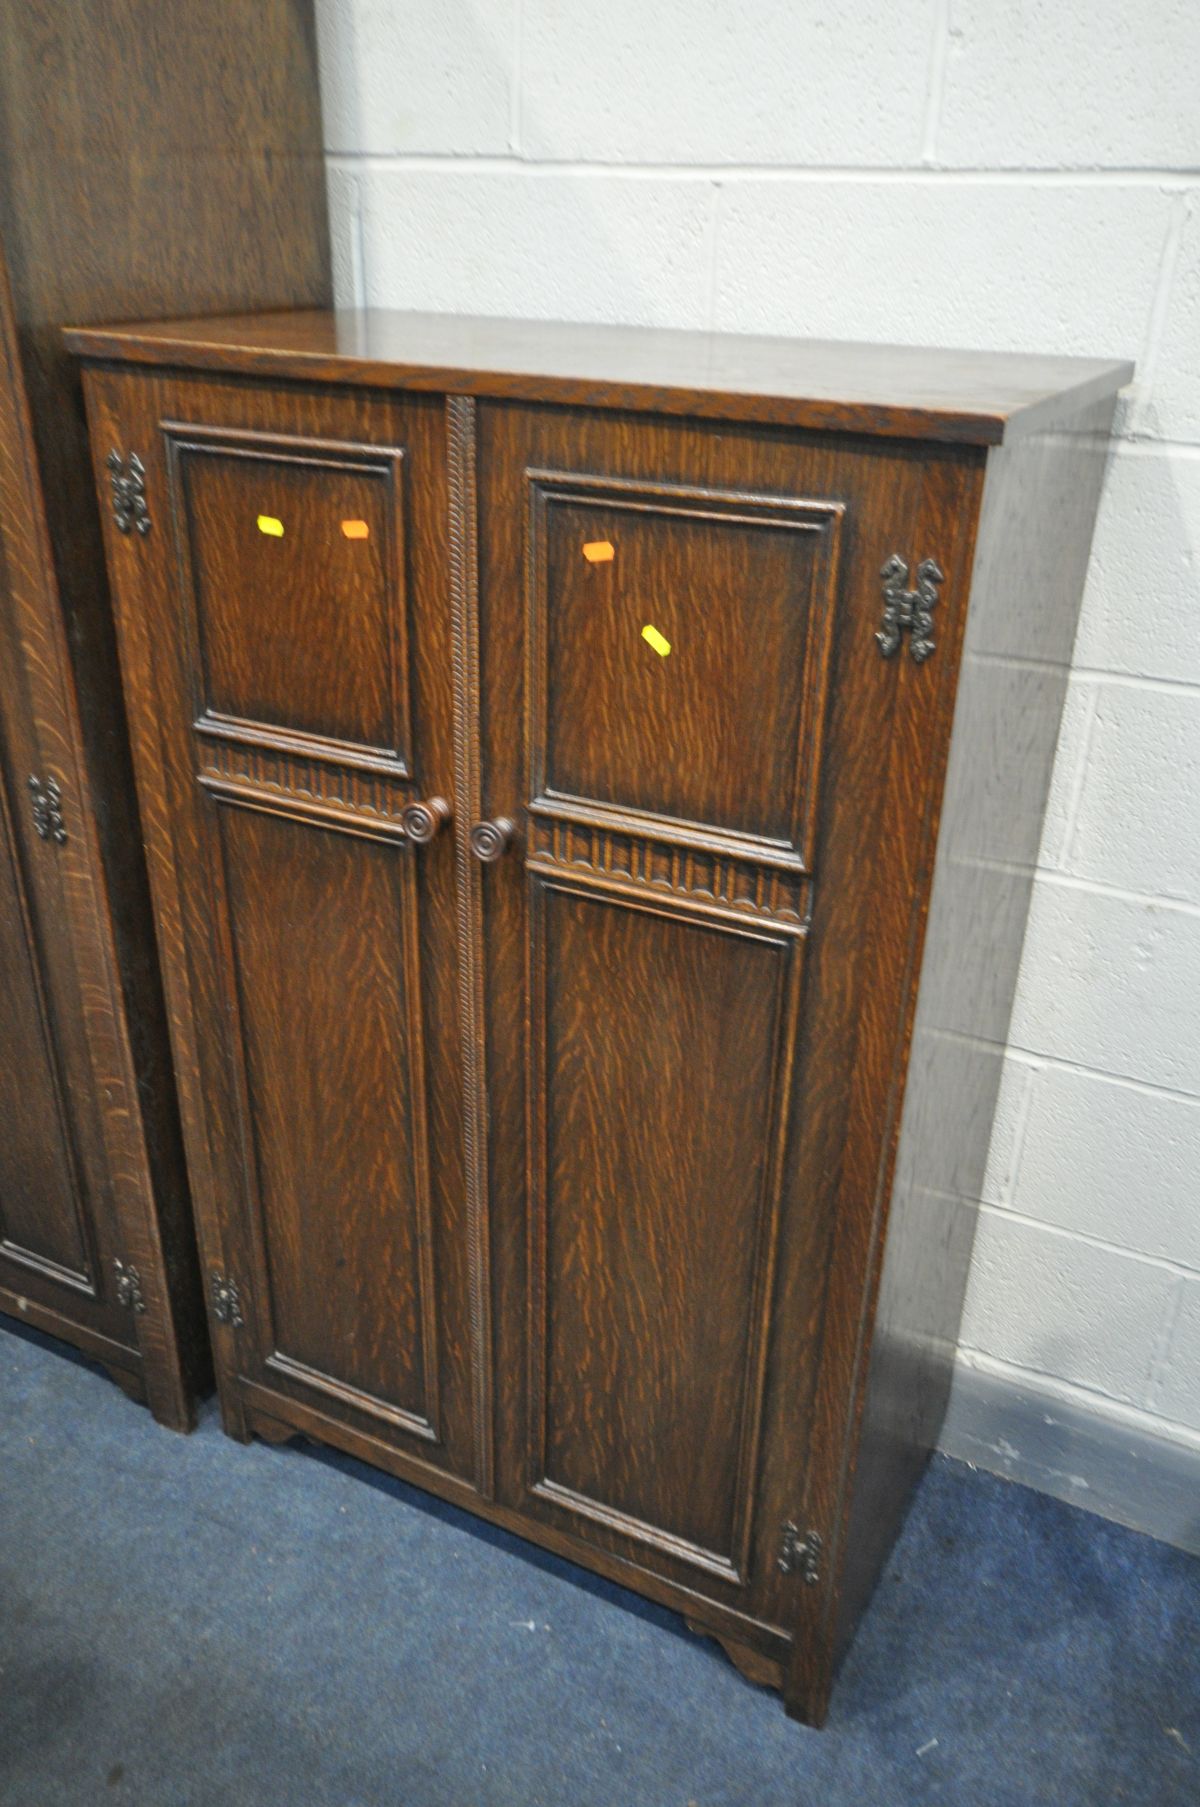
[(270, 525), (658, 641), (598, 552), (355, 530)]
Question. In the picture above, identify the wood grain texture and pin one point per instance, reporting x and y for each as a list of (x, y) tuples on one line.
[(309, 946), (41, 1221), (1034, 537), (684, 676), (76, 1196), (665, 1033), (320, 929), (876, 905), (139, 154), (653, 1202), (884, 491), (956, 397), (297, 627)]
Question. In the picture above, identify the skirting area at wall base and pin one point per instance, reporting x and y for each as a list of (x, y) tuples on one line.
[(1011, 1425)]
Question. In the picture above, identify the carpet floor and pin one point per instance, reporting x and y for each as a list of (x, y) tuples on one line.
[(185, 1622)]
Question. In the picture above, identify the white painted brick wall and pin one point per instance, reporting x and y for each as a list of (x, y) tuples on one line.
[(707, 82), (1003, 173)]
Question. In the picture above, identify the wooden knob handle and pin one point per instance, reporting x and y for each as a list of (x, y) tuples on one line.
[(489, 839), (423, 820)]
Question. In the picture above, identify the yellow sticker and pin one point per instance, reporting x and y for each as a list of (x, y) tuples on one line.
[(658, 641), (267, 523), (355, 530), (598, 552)]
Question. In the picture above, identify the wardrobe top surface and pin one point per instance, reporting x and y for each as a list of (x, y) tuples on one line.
[(959, 397)]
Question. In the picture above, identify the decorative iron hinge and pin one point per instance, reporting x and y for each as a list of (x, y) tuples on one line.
[(47, 809), (911, 609), (226, 1301), (129, 1287), (800, 1553), (128, 479)]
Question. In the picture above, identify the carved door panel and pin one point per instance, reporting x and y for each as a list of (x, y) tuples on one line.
[(287, 652), (43, 1231), (687, 615)]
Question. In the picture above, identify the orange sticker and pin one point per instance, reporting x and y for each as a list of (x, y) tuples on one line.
[(356, 530), (598, 552)]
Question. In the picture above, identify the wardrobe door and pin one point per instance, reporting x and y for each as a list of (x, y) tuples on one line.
[(43, 1230), (65, 1259), (286, 652), (687, 614)]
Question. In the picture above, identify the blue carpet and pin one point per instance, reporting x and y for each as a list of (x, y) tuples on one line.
[(191, 1623)]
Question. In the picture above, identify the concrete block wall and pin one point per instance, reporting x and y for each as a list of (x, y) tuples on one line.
[(996, 173)]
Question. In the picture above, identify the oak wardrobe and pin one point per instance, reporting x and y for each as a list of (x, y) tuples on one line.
[(138, 162), (592, 780)]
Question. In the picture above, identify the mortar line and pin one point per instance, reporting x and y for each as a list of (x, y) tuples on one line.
[(714, 241), (1024, 1112), (1037, 1057), (1073, 881), (1180, 1270), (1164, 283), (1161, 1349), (1078, 780), (514, 97), (358, 246), (935, 81), (1073, 1392), (497, 163), (1093, 674)]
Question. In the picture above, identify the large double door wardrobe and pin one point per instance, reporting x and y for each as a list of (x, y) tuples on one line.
[(591, 781), (137, 163)]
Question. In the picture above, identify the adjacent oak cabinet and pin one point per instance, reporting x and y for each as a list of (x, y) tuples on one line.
[(592, 780), (139, 159)]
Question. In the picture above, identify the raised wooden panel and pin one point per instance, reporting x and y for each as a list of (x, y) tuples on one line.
[(293, 559), (657, 1189), (40, 1225), (679, 639), (320, 940), (654, 1179)]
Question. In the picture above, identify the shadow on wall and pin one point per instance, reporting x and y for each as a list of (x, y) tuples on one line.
[(1107, 986)]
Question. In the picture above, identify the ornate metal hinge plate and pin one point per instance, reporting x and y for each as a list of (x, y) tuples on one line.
[(47, 809), (128, 479), (226, 1301), (910, 610), (800, 1553), (129, 1287)]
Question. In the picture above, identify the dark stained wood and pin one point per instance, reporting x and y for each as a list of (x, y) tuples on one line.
[(653, 1203), (764, 1671), (1033, 541), (72, 1198), (600, 1256), (142, 154), (878, 740), (709, 610), (963, 397), (311, 971), (320, 926), (296, 625), (40, 1219)]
